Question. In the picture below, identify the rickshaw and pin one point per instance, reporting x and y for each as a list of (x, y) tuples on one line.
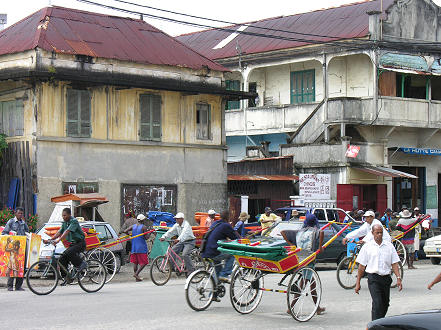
[(257, 258)]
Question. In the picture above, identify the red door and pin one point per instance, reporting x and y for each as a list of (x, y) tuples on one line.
[(344, 196), (381, 198)]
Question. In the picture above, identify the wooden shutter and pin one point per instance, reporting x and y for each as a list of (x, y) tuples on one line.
[(232, 85), (309, 86), (72, 113), (85, 114), (150, 111), (19, 118), (381, 198), (344, 196)]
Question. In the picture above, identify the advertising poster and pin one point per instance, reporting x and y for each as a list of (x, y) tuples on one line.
[(315, 186), (12, 255), (33, 252)]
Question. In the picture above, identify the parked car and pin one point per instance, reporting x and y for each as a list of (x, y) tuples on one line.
[(426, 320), (105, 231), (322, 213), (335, 252), (432, 246)]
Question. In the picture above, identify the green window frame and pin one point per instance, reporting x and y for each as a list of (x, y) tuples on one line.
[(203, 121), (78, 113), (302, 86), (232, 85), (150, 117)]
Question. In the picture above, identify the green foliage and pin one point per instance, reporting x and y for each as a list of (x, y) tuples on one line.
[(3, 144), (8, 213)]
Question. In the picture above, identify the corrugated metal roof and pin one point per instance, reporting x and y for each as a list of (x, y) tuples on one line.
[(384, 171), (72, 31), (347, 21), (234, 177)]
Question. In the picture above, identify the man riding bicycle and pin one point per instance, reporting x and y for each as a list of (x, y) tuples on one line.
[(72, 232), (365, 229)]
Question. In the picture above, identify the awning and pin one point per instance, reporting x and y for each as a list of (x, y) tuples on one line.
[(237, 177), (410, 64), (384, 171)]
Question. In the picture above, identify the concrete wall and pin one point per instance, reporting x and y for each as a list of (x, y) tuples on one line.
[(199, 173)]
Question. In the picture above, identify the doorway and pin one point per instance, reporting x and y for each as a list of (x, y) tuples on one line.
[(256, 207)]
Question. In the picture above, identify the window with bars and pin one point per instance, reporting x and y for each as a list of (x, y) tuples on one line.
[(12, 118), (203, 121), (302, 86), (232, 85), (150, 123), (78, 113)]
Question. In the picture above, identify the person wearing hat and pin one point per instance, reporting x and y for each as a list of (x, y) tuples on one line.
[(404, 224), (365, 229), (239, 224), (210, 219), (185, 242), (139, 251), (386, 218), (267, 219), (129, 221), (418, 230)]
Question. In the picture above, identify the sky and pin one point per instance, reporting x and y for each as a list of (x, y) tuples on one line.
[(226, 10)]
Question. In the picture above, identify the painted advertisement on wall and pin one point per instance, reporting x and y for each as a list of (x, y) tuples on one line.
[(315, 186), (12, 255), (33, 252)]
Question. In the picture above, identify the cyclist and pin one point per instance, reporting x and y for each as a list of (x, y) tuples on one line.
[(365, 229), (220, 230), (185, 242), (74, 235)]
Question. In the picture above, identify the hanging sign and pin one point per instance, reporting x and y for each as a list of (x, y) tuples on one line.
[(352, 151)]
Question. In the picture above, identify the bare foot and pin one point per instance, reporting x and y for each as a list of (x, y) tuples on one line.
[(321, 310), (138, 279)]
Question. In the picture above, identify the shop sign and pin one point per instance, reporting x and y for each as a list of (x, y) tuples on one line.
[(315, 186), (421, 151), (352, 151)]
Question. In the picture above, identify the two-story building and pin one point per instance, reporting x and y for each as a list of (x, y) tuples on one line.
[(98, 103), (364, 74)]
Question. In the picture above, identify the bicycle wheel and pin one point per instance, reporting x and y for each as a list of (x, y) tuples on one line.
[(199, 290), (93, 278), (160, 270), (42, 278), (394, 278), (401, 251), (198, 261), (107, 258), (245, 293), (304, 294), (347, 271)]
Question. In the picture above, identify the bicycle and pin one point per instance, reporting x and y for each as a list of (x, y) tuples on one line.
[(203, 286), (163, 266), (43, 276), (347, 270)]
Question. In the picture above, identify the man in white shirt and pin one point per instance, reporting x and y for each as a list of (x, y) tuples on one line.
[(365, 229), (185, 242), (377, 257)]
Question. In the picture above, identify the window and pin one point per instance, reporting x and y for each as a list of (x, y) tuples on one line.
[(412, 86), (150, 124), (232, 85), (12, 118), (78, 113), (303, 86), (79, 187), (252, 88), (103, 233), (203, 119)]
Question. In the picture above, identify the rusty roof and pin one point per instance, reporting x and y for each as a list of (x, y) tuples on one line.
[(72, 31), (263, 177), (344, 22)]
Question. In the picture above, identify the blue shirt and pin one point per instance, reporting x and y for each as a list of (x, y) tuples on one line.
[(223, 230), (385, 220), (139, 245), (239, 227), (19, 226)]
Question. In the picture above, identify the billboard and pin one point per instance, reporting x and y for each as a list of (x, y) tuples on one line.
[(315, 186)]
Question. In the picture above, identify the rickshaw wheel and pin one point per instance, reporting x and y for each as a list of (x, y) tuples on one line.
[(347, 271), (199, 290), (107, 258), (304, 294), (401, 250), (245, 293)]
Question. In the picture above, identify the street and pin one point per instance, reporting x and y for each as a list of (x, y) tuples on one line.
[(129, 305)]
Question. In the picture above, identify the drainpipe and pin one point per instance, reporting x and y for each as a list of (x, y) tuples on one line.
[(245, 74), (325, 95), (375, 69)]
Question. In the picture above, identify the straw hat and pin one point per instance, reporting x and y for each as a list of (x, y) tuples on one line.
[(405, 214), (244, 216)]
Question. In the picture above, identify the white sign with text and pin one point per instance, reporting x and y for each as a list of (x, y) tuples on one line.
[(315, 186)]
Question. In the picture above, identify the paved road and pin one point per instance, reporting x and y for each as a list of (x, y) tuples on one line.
[(128, 305)]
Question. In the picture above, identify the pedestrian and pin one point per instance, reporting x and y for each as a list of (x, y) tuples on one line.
[(418, 230), (386, 218), (268, 219), (185, 242), (365, 230), (139, 251), (210, 219), (437, 279), (309, 238), (404, 224), (17, 226), (239, 224), (377, 257), (129, 221)]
